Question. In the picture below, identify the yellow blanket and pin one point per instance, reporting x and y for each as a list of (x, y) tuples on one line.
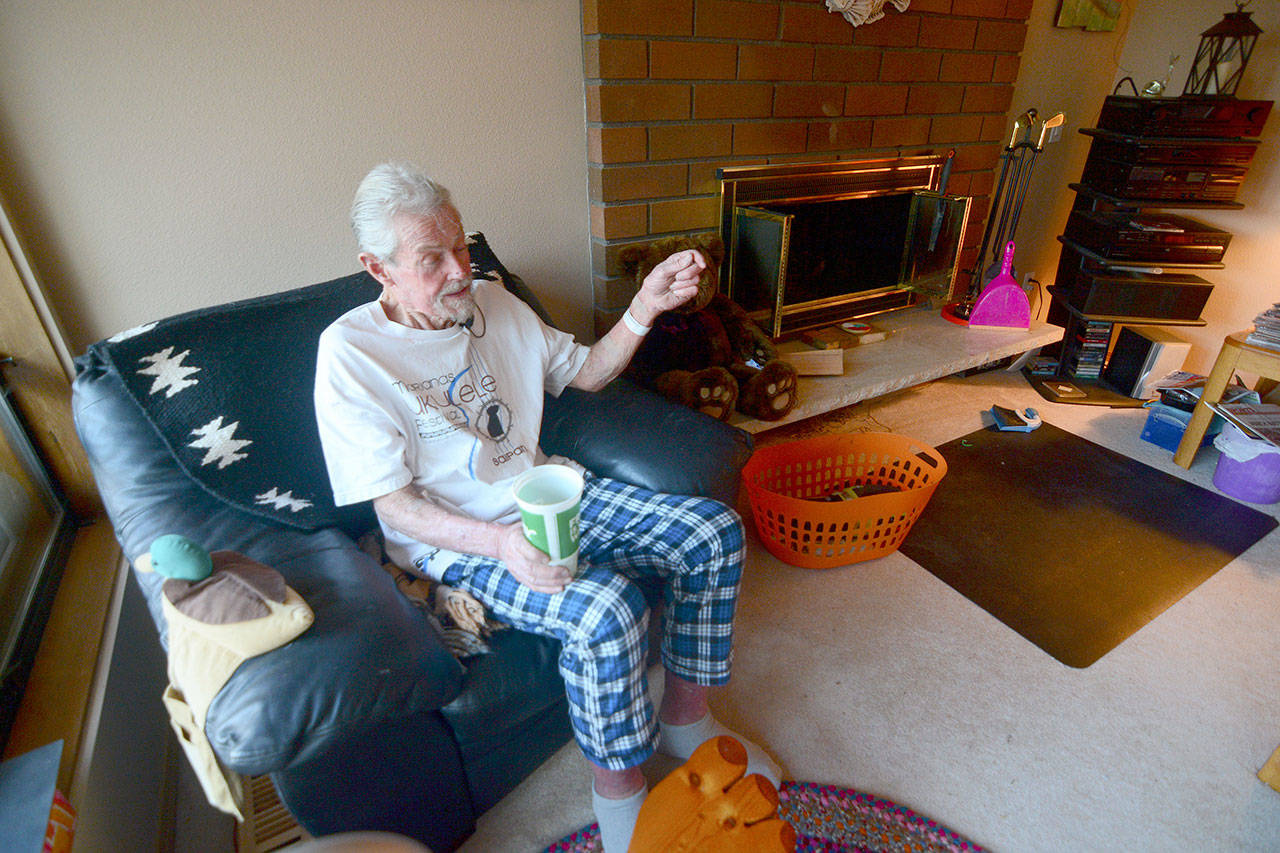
[(241, 610)]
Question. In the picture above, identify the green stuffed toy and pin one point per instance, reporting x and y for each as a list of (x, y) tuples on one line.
[(178, 557)]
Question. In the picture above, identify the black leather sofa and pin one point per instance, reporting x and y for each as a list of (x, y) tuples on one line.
[(365, 721)]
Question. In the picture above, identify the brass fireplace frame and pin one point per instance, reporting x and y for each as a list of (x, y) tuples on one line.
[(746, 192)]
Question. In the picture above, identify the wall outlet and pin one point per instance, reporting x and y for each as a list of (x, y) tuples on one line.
[(1029, 281)]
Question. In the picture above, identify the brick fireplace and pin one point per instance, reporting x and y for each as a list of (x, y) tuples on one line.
[(678, 88)]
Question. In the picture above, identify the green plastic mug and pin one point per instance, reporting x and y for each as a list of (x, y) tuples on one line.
[(550, 500)]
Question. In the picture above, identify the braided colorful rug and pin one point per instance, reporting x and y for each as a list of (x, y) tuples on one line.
[(828, 819)]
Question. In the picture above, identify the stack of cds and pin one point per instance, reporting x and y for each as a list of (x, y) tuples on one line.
[(1091, 350), (1266, 329)]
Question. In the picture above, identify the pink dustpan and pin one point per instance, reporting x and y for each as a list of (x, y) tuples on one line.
[(1002, 304)]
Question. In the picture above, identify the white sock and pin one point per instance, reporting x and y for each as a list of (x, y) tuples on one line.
[(617, 819), (680, 742)]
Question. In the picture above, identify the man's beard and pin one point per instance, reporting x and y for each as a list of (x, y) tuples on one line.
[(458, 310)]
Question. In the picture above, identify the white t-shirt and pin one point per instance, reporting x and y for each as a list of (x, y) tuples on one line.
[(455, 413)]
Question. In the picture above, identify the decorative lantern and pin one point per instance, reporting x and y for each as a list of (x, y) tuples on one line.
[(1223, 55)]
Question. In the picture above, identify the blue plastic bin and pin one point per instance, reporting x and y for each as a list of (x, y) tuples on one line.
[(1165, 426)]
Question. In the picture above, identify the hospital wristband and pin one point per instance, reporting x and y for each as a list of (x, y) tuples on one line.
[(633, 324)]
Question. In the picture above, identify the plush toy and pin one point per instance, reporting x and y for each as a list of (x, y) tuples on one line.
[(455, 613), (708, 354), (221, 608)]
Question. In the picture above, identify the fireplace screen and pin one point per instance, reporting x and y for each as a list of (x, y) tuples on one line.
[(817, 244)]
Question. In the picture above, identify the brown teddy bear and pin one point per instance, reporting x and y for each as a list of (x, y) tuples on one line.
[(708, 354)]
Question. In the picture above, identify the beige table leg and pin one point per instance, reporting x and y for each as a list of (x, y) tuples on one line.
[(1214, 385)]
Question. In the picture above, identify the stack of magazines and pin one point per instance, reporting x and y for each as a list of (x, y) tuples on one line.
[(1266, 329), (1255, 420)]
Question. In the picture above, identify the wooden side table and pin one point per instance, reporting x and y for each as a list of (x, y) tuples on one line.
[(1234, 355)]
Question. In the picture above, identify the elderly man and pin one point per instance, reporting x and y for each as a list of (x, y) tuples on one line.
[(430, 403)]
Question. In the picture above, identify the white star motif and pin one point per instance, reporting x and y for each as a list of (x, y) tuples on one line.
[(134, 332), (485, 275), (169, 371), (217, 439), (281, 500)]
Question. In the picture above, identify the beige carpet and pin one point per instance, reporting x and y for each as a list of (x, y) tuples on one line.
[(880, 677)]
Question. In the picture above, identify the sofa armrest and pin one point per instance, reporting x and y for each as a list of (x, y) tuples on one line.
[(634, 435), (369, 656)]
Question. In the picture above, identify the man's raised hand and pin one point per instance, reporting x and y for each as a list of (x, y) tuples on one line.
[(670, 284)]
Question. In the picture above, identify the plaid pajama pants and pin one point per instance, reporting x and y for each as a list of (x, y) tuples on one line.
[(632, 540)]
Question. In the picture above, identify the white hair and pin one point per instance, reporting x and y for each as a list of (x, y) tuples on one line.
[(387, 191)]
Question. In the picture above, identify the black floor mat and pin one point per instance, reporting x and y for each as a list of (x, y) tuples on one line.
[(1068, 543)]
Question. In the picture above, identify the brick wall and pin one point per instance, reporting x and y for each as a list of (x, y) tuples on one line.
[(677, 88)]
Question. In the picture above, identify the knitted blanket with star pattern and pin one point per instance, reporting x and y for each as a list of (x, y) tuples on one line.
[(229, 390)]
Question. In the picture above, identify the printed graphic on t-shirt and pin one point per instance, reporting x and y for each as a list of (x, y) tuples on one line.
[(495, 419), (465, 401)]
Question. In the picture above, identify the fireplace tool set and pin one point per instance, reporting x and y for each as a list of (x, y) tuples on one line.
[(1029, 137)]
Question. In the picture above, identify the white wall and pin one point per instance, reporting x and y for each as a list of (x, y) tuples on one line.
[(159, 156), (1072, 71)]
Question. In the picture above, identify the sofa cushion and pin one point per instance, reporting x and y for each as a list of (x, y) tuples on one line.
[(229, 390), (504, 689)]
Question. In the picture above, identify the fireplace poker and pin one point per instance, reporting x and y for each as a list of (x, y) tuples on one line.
[(1020, 126), (1017, 162), (1012, 195), (1007, 192), (1045, 127)]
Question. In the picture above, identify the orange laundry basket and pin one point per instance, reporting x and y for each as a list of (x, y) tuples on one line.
[(785, 484)]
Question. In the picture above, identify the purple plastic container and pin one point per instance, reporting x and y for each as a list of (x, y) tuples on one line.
[(1256, 481)]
